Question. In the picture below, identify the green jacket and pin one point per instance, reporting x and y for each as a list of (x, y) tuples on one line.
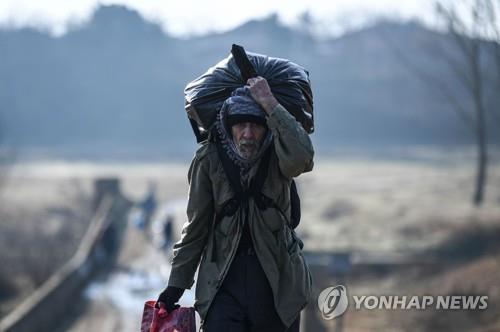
[(277, 249)]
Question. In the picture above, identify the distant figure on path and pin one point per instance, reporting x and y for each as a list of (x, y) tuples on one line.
[(148, 205), (167, 231)]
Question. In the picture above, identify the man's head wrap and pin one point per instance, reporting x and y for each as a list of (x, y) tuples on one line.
[(241, 107), (238, 108)]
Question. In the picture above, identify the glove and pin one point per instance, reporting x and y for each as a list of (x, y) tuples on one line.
[(169, 297)]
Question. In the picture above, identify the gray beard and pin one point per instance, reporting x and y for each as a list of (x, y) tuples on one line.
[(247, 149)]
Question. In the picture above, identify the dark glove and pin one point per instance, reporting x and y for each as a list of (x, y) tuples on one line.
[(169, 297)]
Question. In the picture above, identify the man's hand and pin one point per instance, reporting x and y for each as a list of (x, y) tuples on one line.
[(261, 93), (169, 297)]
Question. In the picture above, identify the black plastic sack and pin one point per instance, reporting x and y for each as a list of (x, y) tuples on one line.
[(289, 83)]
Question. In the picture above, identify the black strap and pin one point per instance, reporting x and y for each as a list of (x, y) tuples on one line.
[(295, 212), (200, 136), (247, 70)]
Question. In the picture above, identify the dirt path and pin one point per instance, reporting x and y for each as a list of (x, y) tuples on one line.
[(116, 303)]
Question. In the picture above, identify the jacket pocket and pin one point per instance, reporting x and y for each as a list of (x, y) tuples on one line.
[(296, 280), (222, 190), (206, 285)]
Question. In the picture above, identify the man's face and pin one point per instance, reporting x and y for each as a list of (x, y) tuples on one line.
[(247, 136)]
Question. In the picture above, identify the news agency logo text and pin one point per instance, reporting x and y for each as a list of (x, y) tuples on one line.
[(440, 302), (333, 302)]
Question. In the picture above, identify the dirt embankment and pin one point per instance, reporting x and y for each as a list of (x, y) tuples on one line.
[(42, 223)]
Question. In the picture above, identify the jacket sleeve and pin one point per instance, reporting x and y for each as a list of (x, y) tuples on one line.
[(292, 144), (187, 251)]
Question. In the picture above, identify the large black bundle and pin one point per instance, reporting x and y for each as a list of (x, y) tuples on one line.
[(289, 83)]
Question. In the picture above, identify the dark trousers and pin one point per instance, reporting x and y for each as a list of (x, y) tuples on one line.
[(245, 301)]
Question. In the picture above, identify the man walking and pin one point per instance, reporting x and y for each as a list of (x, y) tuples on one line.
[(252, 275)]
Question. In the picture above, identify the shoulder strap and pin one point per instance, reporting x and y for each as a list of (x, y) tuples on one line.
[(295, 212), (200, 136)]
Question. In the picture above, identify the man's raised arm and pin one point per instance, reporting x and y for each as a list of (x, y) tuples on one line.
[(292, 144)]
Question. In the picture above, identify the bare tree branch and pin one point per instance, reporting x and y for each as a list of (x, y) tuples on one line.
[(458, 68), (456, 27), (438, 85)]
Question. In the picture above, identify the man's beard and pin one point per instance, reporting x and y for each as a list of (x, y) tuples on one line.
[(247, 148)]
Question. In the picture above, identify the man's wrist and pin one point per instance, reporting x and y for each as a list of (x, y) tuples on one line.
[(269, 104)]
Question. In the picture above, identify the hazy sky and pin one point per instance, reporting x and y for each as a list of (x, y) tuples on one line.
[(185, 17)]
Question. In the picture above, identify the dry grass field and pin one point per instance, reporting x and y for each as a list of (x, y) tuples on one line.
[(391, 206)]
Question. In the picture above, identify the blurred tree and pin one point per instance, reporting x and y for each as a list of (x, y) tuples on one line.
[(471, 51), (471, 24)]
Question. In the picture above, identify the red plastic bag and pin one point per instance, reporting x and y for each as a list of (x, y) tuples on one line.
[(159, 320)]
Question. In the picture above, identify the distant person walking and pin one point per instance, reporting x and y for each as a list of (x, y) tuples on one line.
[(167, 231), (148, 205), (252, 275)]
